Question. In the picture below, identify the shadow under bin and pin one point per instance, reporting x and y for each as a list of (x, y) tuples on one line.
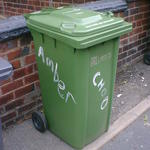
[(6, 70)]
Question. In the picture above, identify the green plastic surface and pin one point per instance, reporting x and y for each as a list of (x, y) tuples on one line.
[(76, 83), (79, 28)]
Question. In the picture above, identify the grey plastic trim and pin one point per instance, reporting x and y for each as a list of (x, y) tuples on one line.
[(12, 27), (6, 69), (105, 5)]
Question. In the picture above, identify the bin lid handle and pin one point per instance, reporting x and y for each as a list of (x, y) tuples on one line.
[(68, 26)]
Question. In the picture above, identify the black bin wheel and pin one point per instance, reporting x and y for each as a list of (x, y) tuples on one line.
[(39, 121), (147, 58)]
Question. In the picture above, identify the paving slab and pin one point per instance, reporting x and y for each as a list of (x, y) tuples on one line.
[(25, 137), (135, 137)]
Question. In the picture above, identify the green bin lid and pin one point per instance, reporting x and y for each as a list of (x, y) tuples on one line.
[(80, 28)]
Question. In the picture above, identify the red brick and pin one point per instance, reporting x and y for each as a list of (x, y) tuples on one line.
[(133, 25), (142, 47), (141, 35), (14, 54), (36, 3), (129, 18), (132, 51), (135, 55), (146, 15), (144, 8), (8, 116), (42, 4), (70, 1), (134, 11), (133, 38), (139, 23), (131, 45), (131, 5), (122, 55), (28, 70), (26, 107), (19, 73), (123, 41), (129, 59), (120, 50), (146, 27), (16, 64), (35, 67), (32, 46), (124, 36), (145, 21), (78, 1), (6, 98), (14, 104), (138, 16), (5, 82), (136, 30), (30, 59), (11, 86), (24, 90), (31, 78)]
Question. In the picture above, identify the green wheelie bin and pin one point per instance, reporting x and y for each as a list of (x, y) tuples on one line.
[(76, 52)]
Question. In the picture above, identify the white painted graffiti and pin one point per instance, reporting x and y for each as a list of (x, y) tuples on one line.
[(61, 88), (98, 82)]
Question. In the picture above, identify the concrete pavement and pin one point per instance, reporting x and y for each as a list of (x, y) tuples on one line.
[(25, 137), (135, 137)]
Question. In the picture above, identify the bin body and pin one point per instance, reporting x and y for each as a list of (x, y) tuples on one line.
[(76, 85)]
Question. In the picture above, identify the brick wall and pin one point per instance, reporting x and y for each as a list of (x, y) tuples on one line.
[(16, 7), (20, 94), (134, 44)]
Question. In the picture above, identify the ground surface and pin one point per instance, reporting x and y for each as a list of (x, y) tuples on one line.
[(25, 137), (132, 86), (135, 137), (1, 17)]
